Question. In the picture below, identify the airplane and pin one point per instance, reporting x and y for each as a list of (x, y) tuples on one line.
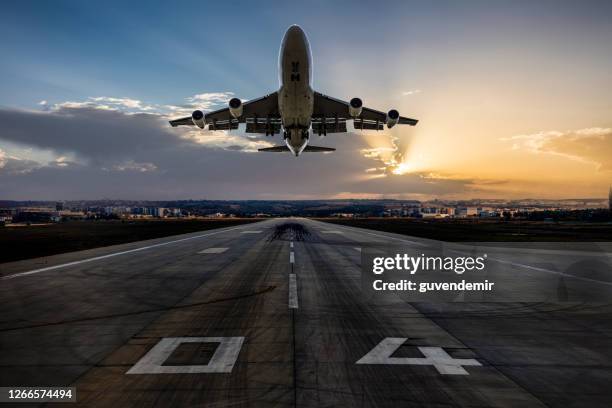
[(295, 108)]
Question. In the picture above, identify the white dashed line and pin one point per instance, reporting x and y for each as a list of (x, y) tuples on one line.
[(98, 258), (291, 244), (293, 297), (213, 251), (332, 232), (250, 232), (291, 257)]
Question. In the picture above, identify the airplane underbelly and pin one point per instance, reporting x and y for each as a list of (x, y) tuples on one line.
[(296, 105)]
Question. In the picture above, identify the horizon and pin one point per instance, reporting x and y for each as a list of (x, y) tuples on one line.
[(314, 199)]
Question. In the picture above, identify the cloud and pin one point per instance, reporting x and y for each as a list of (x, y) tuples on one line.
[(15, 165), (208, 100), (204, 101), (108, 147), (411, 92), (590, 145), (131, 165), (124, 103), (225, 140)]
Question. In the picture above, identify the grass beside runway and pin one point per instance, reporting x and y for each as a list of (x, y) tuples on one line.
[(20, 243), (461, 230)]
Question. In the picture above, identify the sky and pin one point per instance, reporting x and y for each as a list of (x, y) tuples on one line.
[(513, 99)]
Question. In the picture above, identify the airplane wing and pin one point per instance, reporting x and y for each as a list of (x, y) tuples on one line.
[(328, 107), (261, 116)]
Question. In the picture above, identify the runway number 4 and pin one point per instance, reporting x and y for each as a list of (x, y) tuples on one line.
[(222, 361), (435, 356)]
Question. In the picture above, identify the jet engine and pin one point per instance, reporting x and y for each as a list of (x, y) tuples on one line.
[(197, 117), (235, 107), (392, 118), (355, 106)]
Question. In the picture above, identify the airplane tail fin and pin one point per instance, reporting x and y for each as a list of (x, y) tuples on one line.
[(307, 149)]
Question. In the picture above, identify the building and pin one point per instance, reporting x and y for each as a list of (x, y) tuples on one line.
[(448, 211), (36, 216), (466, 211), (158, 212)]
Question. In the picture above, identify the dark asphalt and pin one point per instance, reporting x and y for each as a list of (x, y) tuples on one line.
[(87, 324)]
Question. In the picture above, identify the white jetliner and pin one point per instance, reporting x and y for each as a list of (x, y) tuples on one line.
[(295, 108)]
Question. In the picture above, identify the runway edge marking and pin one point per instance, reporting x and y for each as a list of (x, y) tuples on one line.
[(97, 258)]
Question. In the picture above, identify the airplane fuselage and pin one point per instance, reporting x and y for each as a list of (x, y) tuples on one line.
[(295, 96)]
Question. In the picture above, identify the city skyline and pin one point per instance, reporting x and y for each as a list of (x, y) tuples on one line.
[(512, 101)]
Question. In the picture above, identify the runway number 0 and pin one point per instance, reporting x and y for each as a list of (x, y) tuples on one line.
[(222, 360)]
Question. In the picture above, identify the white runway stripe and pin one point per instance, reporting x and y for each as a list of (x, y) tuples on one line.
[(385, 236), (293, 297), (291, 244), (332, 232), (97, 258), (213, 251), (291, 257), (250, 232)]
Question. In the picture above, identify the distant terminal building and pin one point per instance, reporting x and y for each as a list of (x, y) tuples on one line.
[(158, 212), (466, 211), (36, 216), (448, 211)]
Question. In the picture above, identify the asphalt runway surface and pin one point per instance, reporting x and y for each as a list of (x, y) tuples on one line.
[(272, 314)]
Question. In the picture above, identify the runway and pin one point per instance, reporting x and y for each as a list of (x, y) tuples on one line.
[(272, 314)]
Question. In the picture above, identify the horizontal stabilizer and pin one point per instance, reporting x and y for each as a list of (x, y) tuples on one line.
[(307, 149), (319, 149), (274, 149)]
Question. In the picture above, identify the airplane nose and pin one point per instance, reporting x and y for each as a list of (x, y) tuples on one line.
[(295, 31)]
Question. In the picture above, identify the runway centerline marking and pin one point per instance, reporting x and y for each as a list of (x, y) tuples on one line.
[(291, 257), (293, 297), (251, 232), (213, 251), (97, 258), (291, 244), (434, 356), (222, 360), (332, 232)]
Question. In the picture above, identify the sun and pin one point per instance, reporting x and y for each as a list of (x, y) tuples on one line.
[(401, 168)]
